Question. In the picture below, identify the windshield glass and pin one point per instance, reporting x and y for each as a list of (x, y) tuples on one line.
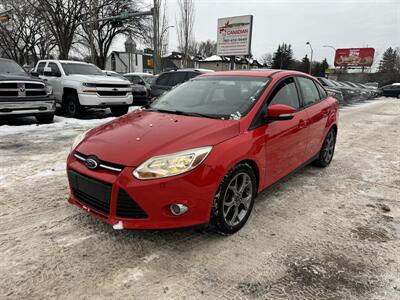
[(83, 69), (148, 78), (11, 67), (227, 97)]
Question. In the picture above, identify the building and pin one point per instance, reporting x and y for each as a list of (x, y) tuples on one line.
[(218, 63), (125, 62)]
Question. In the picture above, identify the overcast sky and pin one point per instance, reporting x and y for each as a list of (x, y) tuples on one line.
[(339, 23)]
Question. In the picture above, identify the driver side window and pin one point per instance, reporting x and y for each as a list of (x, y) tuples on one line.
[(286, 93)]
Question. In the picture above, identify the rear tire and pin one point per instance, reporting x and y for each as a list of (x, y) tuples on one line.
[(328, 149), (45, 119), (234, 200), (72, 107), (118, 111)]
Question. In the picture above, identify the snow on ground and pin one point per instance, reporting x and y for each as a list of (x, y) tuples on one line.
[(329, 233)]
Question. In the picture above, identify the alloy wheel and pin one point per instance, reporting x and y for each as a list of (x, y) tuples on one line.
[(329, 147), (237, 199)]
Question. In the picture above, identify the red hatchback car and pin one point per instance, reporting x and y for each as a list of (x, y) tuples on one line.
[(200, 153)]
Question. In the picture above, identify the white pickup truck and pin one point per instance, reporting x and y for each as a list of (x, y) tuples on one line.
[(79, 85)]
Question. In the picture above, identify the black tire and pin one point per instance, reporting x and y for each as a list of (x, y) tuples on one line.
[(118, 111), (45, 119), (328, 149), (72, 107), (222, 207)]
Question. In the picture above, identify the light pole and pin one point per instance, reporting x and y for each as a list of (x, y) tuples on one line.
[(311, 56), (328, 46)]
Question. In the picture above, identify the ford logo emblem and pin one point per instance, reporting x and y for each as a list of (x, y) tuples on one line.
[(92, 163)]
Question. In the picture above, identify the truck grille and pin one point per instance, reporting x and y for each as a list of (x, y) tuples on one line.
[(112, 93), (93, 193), (22, 89), (112, 85)]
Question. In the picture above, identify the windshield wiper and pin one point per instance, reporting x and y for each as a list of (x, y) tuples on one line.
[(184, 113)]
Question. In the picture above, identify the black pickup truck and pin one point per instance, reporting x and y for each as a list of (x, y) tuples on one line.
[(24, 95)]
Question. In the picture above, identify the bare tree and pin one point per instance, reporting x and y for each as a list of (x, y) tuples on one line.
[(22, 38), (98, 37), (184, 28), (266, 60), (207, 48), (62, 18)]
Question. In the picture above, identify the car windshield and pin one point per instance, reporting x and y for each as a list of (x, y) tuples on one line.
[(82, 69), (11, 67), (148, 78), (225, 97)]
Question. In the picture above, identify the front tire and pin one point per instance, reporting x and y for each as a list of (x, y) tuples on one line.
[(234, 200), (45, 119), (118, 111), (328, 149), (73, 108)]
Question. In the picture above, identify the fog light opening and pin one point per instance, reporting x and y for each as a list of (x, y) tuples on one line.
[(178, 209)]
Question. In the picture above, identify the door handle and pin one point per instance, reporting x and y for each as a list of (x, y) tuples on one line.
[(302, 124)]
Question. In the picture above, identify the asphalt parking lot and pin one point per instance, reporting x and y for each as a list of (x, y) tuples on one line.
[(331, 233)]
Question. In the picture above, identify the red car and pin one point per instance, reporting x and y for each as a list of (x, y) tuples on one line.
[(200, 153)]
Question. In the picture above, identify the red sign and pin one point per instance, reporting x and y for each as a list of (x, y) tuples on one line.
[(354, 57)]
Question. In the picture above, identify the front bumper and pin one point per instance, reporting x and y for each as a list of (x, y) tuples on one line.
[(195, 189), (102, 101), (27, 108)]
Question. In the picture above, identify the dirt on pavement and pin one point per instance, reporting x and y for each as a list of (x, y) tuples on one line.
[(320, 233)]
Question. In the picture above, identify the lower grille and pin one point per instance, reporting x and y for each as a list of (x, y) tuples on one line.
[(95, 194), (112, 93), (128, 208)]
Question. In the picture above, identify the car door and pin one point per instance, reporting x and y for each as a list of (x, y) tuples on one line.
[(55, 80), (285, 141), (317, 111)]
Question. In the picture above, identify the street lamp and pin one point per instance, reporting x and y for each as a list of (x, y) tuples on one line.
[(328, 46), (311, 56)]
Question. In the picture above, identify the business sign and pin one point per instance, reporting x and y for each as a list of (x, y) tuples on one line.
[(354, 57), (234, 36)]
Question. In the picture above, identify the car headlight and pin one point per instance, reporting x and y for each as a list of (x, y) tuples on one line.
[(78, 139), (171, 164), (89, 84), (49, 90)]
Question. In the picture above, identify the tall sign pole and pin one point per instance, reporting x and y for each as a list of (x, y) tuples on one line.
[(156, 52)]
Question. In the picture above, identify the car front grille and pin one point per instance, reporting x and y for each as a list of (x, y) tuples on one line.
[(112, 93), (128, 208), (112, 85), (22, 89), (93, 193)]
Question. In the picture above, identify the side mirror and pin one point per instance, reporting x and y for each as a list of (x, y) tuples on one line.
[(280, 112), (34, 74)]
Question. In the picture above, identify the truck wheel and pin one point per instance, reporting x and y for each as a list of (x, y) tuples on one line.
[(45, 119), (118, 111), (72, 108)]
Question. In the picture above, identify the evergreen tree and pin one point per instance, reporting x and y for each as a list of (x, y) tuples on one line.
[(388, 61), (283, 57)]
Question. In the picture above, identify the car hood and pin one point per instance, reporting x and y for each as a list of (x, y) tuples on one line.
[(7, 77), (96, 78), (140, 135)]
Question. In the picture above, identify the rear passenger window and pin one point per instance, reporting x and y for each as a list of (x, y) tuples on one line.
[(177, 78), (40, 68), (162, 79), (322, 92), (309, 91), (286, 93)]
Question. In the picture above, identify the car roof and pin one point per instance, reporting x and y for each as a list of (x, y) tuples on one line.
[(139, 74), (65, 61), (257, 73)]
